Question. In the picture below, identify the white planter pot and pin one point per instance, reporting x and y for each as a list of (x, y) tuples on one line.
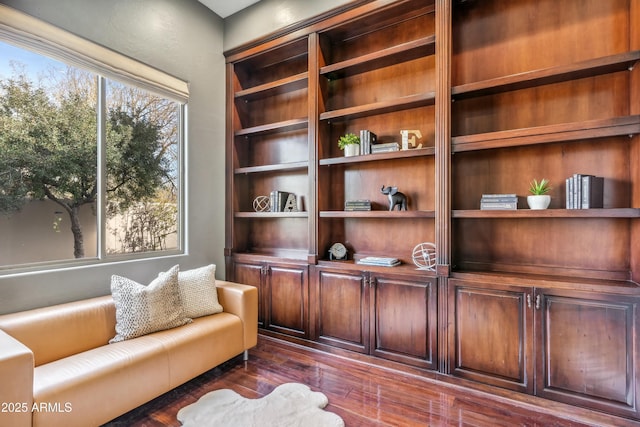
[(351, 150), (539, 202)]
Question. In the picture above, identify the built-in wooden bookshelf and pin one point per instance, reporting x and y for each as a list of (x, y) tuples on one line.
[(502, 93)]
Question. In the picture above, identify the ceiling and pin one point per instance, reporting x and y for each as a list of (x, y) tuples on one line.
[(224, 8)]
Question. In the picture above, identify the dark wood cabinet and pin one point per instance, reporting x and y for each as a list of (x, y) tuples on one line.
[(342, 309), (587, 350), (283, 294), (493, 335), (566, 345), (541, 302), (383, 314)]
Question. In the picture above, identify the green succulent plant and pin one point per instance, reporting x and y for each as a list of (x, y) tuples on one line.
[(348, 139), (539, 188)]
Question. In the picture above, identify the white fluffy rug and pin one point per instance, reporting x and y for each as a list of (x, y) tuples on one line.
[(288, 405)]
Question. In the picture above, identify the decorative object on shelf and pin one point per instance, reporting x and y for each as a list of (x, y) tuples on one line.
[(424, 256), (367, 138), (538, 199), (337, 252), (498, 202), (357, 205), (584, 191), (261, 204), (385, 148), (291, 204), (396, 198), (409, 139), (379, 261), (350, 143), (283, 201)]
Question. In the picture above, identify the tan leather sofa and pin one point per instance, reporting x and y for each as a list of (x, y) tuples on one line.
[(57, 368)]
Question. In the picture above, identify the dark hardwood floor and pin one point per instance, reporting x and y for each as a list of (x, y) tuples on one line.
[(362, 394)]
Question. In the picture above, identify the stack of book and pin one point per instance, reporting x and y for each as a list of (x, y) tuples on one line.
[(367, 138), (584, 191), (498, 202), (386, 147), (282, 201), (357, 205), (379, 261)]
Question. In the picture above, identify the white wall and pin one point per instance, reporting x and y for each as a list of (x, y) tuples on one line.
[(182, 38)]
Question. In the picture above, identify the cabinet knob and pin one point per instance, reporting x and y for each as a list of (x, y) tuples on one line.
[(528, 300)]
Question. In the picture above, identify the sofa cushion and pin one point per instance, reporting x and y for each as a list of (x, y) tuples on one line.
[(198, 291), (62, 330), (141, 309), (97, 385)]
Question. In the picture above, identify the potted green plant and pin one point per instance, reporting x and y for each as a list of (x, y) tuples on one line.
[(539, 199), (350, 143)]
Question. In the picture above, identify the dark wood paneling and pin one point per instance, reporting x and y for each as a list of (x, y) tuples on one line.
[(588, 350), (493, 338), (404, 327), (342, 310), (288, 300), (251, 274)]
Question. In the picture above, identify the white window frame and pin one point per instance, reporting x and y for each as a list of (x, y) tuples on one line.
[(40, 37)]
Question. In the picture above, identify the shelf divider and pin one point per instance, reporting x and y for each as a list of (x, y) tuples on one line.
[(382, 58), (398, 104), (549, 213), (528, 79), (600, 128)]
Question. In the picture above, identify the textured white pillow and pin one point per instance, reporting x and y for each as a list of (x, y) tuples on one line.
[(141, 309), (198, 291)]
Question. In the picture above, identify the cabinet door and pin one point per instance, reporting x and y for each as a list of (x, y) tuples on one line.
[(404, 320), (589, 351), (493, 334), (251, 274), (342, 310), (288, 299)]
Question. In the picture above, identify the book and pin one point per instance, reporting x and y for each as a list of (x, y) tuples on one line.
[(367, 138), (386, 147), (357, 205), (584, 191), (499, 196), (498, 206), (499, 202), (592, 192), (379, 261), (278, 200)]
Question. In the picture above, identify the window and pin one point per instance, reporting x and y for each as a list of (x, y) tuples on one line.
[(90, 158)]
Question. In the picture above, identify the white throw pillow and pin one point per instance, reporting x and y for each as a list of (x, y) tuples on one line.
[(198, 291), (142, 309)]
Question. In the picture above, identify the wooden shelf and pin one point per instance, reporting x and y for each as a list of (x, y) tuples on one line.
[(549, 213), (377, 214), (417, 152), (272, 255), (289, 84), (271, 215), (404, 268), (545, 76), (284, 126), (382, 58), (626, 125), (617, 286), (272, 168), (398, 104)]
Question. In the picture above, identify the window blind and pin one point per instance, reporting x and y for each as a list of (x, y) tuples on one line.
[(31, 33)]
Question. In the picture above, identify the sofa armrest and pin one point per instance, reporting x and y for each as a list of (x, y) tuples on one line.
[(241, 300), (16, 387)]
